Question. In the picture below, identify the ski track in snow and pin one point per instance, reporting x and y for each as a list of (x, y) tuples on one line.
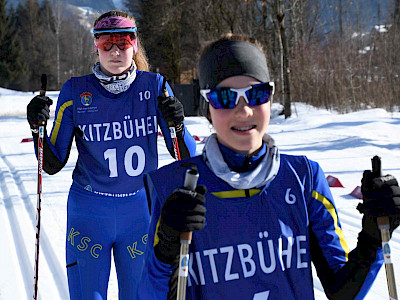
[(14, 190), (19, 243)]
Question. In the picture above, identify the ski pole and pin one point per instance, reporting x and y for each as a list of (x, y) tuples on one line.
[(383, 225), (171, 125), (191, 178), (41, 124)]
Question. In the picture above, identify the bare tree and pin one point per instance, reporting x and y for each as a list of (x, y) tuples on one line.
[(57, 28), (277, 15), (396, 14)]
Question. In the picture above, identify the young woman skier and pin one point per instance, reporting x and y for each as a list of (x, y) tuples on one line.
[(259, 217), (113, 115)]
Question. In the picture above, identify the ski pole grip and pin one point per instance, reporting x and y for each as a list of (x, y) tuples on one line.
[(383, 222), (42, 92), (166, 95), (43, 80), (191, 178), (376, 166)]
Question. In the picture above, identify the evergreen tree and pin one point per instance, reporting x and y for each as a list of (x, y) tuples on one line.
[(37, 53), (150, 14), (12, 67), (170, 34), (48, 43)]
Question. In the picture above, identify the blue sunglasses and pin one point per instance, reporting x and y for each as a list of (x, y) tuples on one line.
[(228, 98)]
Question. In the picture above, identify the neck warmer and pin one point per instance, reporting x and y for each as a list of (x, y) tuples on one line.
[(118, 83), (240, 162), (261, 175)]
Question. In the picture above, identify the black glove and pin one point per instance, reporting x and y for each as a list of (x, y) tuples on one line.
[(172, 111), (183, 211), (38, 110), (381, 197)]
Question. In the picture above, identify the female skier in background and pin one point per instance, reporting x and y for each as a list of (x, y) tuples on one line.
[(114, 118), (259, 217)]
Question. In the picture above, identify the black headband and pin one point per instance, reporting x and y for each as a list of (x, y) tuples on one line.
[(232, 58)]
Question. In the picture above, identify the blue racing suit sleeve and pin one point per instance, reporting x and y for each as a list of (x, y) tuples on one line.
[(56, 148), (343, 275)]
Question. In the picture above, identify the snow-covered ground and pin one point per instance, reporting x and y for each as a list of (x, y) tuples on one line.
[(342, 144)]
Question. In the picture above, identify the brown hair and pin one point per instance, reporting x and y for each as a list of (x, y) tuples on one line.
[(140, 57)]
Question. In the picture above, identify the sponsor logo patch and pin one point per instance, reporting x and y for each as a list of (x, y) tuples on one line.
[(86, 98)]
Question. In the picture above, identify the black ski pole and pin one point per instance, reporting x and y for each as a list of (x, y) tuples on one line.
[(383, 225), (39, 186), (191, 178)]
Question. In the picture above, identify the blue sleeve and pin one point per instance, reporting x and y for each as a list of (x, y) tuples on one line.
[(63, 125), (343, 275), (324, 220), (56, 148), (188, 140), (154, 280), (373, 272)]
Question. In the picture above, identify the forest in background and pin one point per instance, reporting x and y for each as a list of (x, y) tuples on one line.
[(41, 38), (336, 54)]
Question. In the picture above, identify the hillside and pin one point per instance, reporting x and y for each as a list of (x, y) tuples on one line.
[(95, 5)]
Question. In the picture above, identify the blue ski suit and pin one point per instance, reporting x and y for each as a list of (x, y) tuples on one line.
[(116, 137), (260, 243)]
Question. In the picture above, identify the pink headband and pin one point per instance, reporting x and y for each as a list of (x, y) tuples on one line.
[(114, 22)]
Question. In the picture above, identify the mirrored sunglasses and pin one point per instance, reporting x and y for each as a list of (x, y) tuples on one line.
[(123, 40), (228, 98)]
